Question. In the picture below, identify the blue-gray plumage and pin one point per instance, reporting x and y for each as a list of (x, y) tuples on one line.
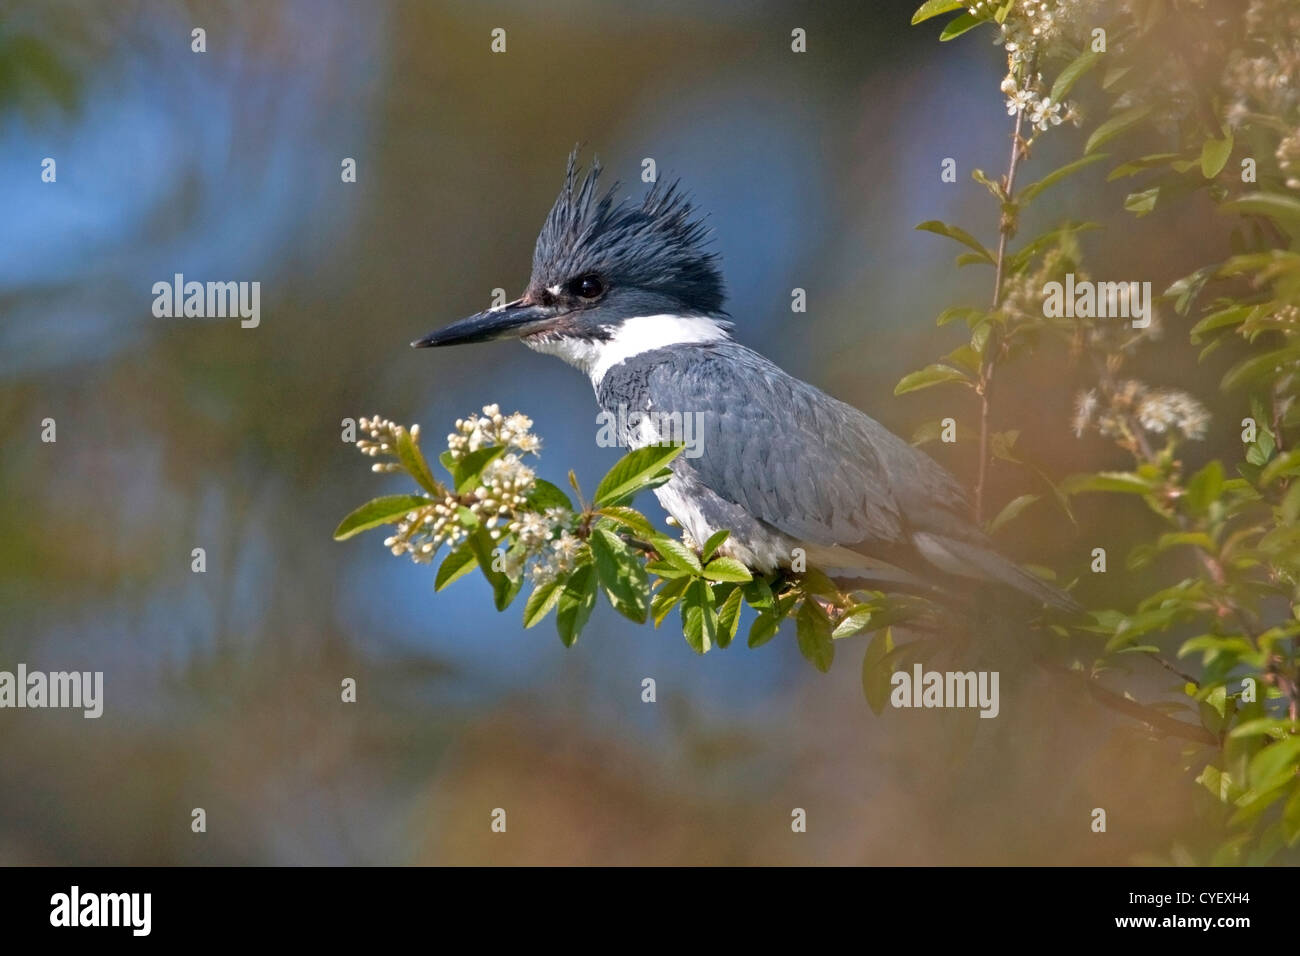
[(626, 293)]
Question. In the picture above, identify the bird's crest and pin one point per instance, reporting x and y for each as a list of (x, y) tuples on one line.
[(657, 243)]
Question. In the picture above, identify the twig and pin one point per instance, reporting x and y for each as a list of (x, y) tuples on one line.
[(1006, 228), (1167, 665), (1169, 726), (1152, 718)]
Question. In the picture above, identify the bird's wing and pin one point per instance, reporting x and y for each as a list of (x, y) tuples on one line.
[(785, 452)]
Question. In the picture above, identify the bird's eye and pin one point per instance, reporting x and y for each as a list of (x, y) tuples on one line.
[(588, 287)]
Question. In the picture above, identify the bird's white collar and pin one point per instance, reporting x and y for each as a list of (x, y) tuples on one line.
[(643, 333)]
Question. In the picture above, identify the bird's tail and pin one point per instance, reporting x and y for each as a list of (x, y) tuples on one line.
[(973, 561)]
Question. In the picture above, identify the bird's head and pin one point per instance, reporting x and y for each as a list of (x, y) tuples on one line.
[(602, 265)]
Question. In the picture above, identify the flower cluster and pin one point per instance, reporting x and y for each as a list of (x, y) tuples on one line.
[(502, 491), (493, 428), (499, 502), (1262, 77), (1288, 159), (557, 557), (1042, 111), (426, 529), (382, 441), (1158, 411), (1030, 27)]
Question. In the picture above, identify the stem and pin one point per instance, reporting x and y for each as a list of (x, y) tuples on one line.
[(1169, 726), (1006, 225), (1156, 720), (1167, 665), (1006, 228)]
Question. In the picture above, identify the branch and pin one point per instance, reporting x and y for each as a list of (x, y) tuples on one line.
[(1154, 719), (1006, 228)]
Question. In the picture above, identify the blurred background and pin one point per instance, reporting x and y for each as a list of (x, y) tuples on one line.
[(222, 689)]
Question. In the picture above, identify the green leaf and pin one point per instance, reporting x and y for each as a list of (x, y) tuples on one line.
[(714, 542), (813, 630), (1113, 75), (408, 453), (1038, 244), (928, 376), (813, 581), (1285, 465), (1135, 166), (727, 569), (1260, 367), (1252, 804), (539, 603), (1115, 126), (855, 620), (1141, 203), (763, 629), (546, 495), (1012, 509), (963, 357), (1274, 205), (1195, 539), (729, 617), (934, 8), (636, 470), (1263, 726), (1205, 487), (1275, 764), (386, 510), (1066, 79), (959, 25), (675, 553), (1121, 481), (699, 617), (1054, 177), (631, 519), (621, 574), (1217, 782), (994, 188), (467, 470), (667, 597), (1233, 315), (1213, 646), (963, 312), (457, 564), (1291, 819), (577, 598), (758, 594), (1214, 155), (668, 571), (958, 234), (878, 670), (504, 587)]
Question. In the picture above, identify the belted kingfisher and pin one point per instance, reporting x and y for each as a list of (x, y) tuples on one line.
[(627, 293)]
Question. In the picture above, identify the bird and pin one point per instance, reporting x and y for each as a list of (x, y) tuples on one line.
[(630, 293)]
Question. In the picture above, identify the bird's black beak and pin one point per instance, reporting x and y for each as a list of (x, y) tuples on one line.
[(510, 321)]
